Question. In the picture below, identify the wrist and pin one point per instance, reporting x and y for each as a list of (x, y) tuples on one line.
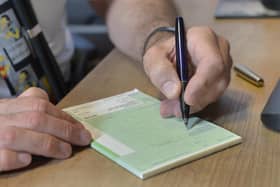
[(159, 34), (157, 38)]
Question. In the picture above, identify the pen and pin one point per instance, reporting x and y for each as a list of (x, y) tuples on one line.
[(46, 60), (247, 74), (182, 66)]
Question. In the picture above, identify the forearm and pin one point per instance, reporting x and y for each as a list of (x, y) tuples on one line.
[(131, 21)]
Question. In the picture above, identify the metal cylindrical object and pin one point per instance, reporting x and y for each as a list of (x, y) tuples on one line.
[(248, 75)]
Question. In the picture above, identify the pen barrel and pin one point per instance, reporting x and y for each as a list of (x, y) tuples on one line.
[(185, 109), (182, 64), (181, 50), (42, 52)]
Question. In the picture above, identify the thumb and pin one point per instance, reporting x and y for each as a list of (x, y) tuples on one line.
[(162, 72)]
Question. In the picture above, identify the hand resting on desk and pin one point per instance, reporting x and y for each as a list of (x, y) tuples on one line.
[(31, 125), (210, 65)]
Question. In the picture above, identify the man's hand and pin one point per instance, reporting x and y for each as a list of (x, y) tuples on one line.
[(210, 65), (31, 125)]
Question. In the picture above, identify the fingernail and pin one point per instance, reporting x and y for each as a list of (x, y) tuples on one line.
[(65, 149), (24, 158), (85, 137), (169, 89)]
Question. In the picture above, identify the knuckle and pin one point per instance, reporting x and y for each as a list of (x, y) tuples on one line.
[(223, 40), (225, 43), (223, 74), (35, 119), (7, 137), (218, 67), (191, 33), (193, 30), (39, 105), (230, 62), (68, 151), (35, 91), (68, 131), (208, 30), (223, 85), (226, 47), (48, 146), (221, 69), (204, 84), (4, 160)]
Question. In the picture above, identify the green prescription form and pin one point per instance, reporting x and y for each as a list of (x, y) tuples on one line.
[(129, 130)]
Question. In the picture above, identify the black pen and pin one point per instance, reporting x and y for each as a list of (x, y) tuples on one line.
[(43, 53), (182, 66)]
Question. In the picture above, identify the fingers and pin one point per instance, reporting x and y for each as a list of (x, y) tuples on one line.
[(35, 104), (161, 71), (22, 140), (38, 99), (47, 124), (30, 124), (202, 45), (225, 54), (10, 160), (170, 108), (211, 56)]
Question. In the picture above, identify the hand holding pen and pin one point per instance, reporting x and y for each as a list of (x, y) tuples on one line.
[(210, 62)]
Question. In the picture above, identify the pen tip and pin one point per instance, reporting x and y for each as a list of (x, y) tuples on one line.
[(187, 124)]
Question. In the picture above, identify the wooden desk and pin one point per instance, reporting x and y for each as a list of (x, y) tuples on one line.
[(256, 162)]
